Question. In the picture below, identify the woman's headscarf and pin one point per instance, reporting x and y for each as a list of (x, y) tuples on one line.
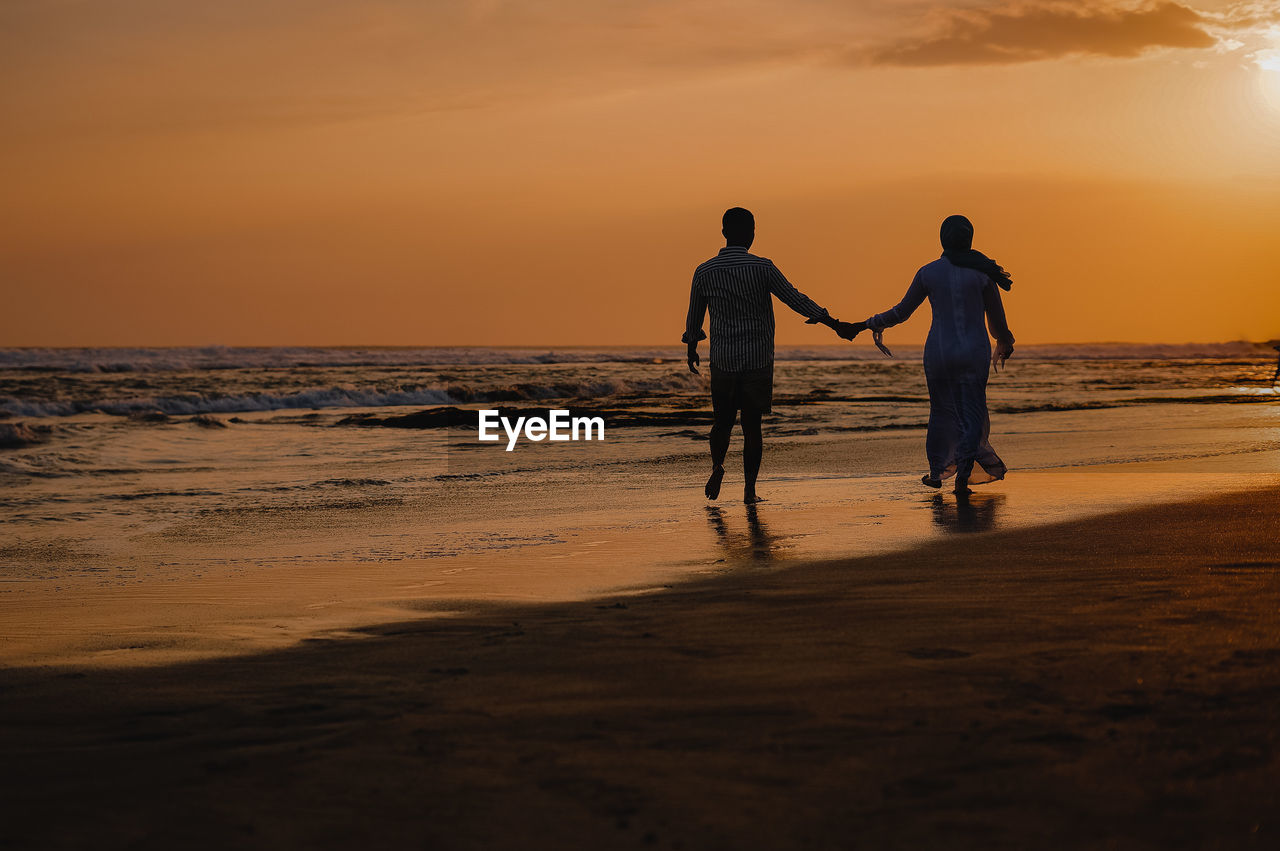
[(957, 246)]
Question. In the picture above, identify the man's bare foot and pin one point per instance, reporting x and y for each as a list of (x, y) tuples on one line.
[(931, 481), (751, 498), (713, 483)]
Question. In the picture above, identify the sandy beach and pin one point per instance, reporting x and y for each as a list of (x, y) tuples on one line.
[(1109, 682), (308, 628)]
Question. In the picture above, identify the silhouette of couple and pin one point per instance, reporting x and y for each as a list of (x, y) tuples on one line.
[(963, 288)]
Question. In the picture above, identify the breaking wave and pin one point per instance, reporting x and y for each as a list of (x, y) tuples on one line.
[(352, 397), (113, 360), (330, 397), (191, 359)]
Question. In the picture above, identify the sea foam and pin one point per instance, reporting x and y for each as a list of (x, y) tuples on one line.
[(109, 360)]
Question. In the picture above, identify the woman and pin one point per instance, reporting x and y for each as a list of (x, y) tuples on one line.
[(962, 286)]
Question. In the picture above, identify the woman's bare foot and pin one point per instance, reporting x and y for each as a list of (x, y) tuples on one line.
[(713, 483), (931, 481), (962, 487)]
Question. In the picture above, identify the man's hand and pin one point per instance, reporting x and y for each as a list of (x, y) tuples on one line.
[(694, 360)]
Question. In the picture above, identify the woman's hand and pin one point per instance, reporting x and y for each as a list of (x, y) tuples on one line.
[(878, 338), (1002, 353)]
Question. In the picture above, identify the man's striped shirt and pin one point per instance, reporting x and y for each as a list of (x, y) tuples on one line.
[(736, 286)]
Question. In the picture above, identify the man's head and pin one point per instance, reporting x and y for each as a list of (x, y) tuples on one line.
[(738, 227)]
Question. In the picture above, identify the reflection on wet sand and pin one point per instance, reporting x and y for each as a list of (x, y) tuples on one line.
[(968, 513), (755, 544)]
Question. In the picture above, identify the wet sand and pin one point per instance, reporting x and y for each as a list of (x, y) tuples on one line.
[(218, 596), (1111, 681), (166, 581)]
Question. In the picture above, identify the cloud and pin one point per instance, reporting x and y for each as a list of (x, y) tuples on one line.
[(1247, 15), (1033, 32)]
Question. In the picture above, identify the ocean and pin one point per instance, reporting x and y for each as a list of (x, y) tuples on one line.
[(131, 471), (84, 412)]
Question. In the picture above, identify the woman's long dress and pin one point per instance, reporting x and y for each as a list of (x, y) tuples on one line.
[(957, 362)]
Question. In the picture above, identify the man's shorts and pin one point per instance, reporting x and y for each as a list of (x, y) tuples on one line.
[(750, 390)]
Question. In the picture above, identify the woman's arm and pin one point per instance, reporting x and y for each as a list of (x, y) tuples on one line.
[(997, 324), (902, 311)]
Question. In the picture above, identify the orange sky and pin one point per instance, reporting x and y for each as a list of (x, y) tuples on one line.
[(502, 173)]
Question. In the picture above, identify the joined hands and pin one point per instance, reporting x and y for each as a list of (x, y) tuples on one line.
[(844, 330), (849, 330)]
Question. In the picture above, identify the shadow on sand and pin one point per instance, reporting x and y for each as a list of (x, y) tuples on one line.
[(1102, 683)]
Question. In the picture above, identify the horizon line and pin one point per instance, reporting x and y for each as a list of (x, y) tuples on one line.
[(676, 345)]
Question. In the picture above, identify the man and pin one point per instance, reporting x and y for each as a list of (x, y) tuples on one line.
[(736, 286)]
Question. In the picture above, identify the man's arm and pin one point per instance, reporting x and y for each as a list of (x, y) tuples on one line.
[(693, 324), (814, 313)]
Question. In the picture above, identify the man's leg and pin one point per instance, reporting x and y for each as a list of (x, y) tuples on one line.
[(721, 428), (752, 452)]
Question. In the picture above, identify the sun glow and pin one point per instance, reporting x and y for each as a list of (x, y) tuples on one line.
[(1268, 63), (1268, 60)]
